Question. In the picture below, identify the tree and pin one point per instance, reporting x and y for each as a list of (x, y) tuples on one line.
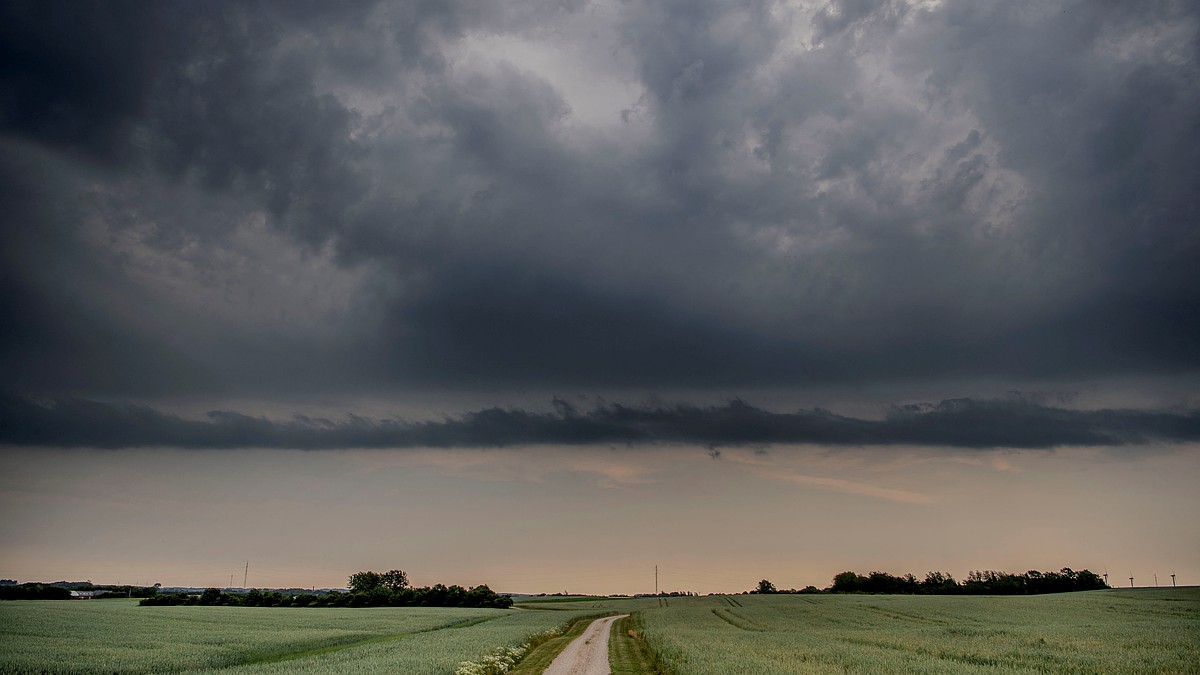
[(1087, 580), (362, 582), (766, 587), (848, 582), (394, 580), (939, 582)]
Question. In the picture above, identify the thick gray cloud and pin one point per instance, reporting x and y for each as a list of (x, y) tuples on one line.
[(962, 423), (257, 198)]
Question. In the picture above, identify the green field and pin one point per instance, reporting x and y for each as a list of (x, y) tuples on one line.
[(1138, 631), (109, 636)]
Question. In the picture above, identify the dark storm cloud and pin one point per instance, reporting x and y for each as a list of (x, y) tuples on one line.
[(78, 74), (962, 423), (856, 192)]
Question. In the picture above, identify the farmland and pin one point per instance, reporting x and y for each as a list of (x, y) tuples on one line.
[(1144, 630), (118, 636)]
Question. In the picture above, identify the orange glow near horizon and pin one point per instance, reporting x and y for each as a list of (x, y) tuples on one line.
[(593, 520)]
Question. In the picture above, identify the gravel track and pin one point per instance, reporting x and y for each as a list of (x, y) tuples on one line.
[(588, 653)]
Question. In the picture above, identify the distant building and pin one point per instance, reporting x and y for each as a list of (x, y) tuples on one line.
[(83, 595)]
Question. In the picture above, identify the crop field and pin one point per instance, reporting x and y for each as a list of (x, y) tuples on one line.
[(1118, 631), (1138, 631), (111, 636)]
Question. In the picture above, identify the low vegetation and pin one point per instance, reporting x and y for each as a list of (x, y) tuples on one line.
[(628, 653), (61, 590), (1109, 631), (1144, 630), (366, 589), (120, 637), (431, 596), (989, 582)]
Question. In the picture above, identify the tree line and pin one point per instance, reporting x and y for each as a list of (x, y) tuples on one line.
[(365, 589), (987, 582), (62, 591)]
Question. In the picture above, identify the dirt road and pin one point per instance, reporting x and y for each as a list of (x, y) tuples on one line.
[(588, 653)]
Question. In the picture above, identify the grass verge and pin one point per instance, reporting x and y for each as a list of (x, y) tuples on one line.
[(628, 653), (540, 655)]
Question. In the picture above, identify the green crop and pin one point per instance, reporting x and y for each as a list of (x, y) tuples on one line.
[(120, 637), (428, 653), (1113, 631), (1093, 632)]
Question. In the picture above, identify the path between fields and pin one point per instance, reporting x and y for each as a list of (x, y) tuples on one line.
[(588, 653)]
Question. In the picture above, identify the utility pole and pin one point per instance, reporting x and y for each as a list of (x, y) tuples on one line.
[(245, 574)]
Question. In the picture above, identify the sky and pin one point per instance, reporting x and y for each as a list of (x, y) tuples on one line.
[(543, 295)]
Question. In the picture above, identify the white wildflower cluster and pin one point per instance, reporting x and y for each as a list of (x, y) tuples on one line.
[(506, 658), (502, 659), (499, 661)]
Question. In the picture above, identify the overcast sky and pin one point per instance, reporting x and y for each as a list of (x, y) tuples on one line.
[(597, 240)]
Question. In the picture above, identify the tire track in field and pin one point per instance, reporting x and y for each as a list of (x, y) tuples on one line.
[(738, 621), (904, 616), (341, 646)]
